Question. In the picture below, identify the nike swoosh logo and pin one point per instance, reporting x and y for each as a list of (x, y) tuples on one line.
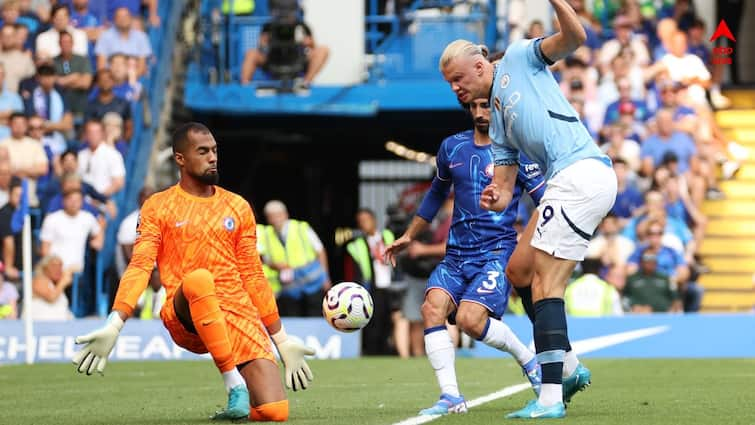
[(457, 164), (538, 414), (181, 223), (599, 342), (484, 291), (207, 322)]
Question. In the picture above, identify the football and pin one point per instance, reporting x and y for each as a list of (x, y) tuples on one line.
[(347, 307)]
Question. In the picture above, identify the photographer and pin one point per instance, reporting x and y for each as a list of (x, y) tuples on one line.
[(286, 41)]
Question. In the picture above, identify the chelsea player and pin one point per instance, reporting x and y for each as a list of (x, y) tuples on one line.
[(471, 278), (531, 115)]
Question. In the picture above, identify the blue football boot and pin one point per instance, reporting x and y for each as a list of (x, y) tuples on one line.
[(534, 410), (578, 381), (238, 405), (447, 404)]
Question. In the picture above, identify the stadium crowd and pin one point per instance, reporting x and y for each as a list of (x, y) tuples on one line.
[(644, 86), (70, 72)]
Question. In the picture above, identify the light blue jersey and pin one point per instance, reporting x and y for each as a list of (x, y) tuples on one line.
[(531, 115)]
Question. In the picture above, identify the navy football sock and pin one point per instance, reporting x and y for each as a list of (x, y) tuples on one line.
[(551, 340), (525, 293)]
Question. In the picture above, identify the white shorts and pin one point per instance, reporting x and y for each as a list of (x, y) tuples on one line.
[(575, 201)]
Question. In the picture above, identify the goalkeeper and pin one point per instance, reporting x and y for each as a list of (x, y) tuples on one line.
[(218, 300)]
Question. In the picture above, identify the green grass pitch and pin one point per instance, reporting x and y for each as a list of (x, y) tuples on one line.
[(380, 391)]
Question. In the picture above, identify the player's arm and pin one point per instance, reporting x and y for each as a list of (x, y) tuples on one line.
[(568, 39), (497, 195), (99, 343), (427, 210), (298, 374)]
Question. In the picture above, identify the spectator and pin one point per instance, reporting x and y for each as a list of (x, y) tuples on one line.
[(622, 148), (316, 55), (5, 180), (83, 19), (665, 30), (123, 38), (17, 65), (65, 233), (69, 165), (51, 280), (127, 232), (48, 42), (648, 290), (614, 109), (11, 241), (591, 296), (294, 261), (667, 139), (52, 145), (24, 43), (114, 133), (134, 7), (106, 101), (126, 84), (367, 267), (621, 67), (74, 77), (613, 250), (8, 300), (676, 234), (41, 98), (669, 262), (27, 156), (10, 102), (100, 165), (623, 28), (688, 70), (71, 181)]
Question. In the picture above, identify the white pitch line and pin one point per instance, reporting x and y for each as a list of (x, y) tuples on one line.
[(505, 392)]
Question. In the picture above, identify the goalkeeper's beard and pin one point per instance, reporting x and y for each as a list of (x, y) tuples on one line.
[(208, 178)]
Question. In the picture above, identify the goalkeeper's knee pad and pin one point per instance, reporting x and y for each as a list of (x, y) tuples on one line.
[(276, 411)]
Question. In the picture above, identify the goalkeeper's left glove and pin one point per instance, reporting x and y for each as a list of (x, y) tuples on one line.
[(298, 375), (99, 345)]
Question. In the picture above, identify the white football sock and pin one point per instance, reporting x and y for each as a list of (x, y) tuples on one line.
[(500, 336), (442, 354), (233, 378), (550, 394), (570, 364)]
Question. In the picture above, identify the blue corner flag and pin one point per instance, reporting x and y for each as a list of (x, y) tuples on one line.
[(17, 220)]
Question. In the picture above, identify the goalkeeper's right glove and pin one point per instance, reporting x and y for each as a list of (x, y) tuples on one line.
[(98, 346)]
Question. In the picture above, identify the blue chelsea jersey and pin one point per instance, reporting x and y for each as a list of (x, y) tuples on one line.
[(469, 169), (530, 114)]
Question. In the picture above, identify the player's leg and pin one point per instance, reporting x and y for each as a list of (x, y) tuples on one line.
[(483, 303), (252, 59), (316, 60), (574, 203), (520, 271), (443, 289), (266, 393), (198, 309)]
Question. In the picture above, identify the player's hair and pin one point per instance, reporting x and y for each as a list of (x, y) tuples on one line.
[(461, 48), (181, 134), (591, 265)]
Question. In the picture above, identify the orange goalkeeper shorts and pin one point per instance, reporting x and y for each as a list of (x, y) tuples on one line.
[(249, 340)]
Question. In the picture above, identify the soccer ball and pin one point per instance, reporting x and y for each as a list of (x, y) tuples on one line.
[(347, 307)]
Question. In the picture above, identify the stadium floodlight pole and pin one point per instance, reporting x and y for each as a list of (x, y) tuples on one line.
[(26, 252)]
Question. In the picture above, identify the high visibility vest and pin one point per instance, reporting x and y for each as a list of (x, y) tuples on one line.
[(360, 252), (589, 296), (297, 252), (148, 306), (240, 7), (5, 310)]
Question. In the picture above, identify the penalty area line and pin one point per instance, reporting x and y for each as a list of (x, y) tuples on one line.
[(505, 392)]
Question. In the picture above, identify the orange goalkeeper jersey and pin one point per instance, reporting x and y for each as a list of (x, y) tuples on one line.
[(183, 233)]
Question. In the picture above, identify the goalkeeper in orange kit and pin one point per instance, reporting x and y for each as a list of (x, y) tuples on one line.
[(218, 300)]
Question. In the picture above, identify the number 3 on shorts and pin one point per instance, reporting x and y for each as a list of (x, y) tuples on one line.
[(491, 283), (547, 215)]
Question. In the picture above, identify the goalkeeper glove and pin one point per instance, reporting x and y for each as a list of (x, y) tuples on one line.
[(98, 346), (298, 374)]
